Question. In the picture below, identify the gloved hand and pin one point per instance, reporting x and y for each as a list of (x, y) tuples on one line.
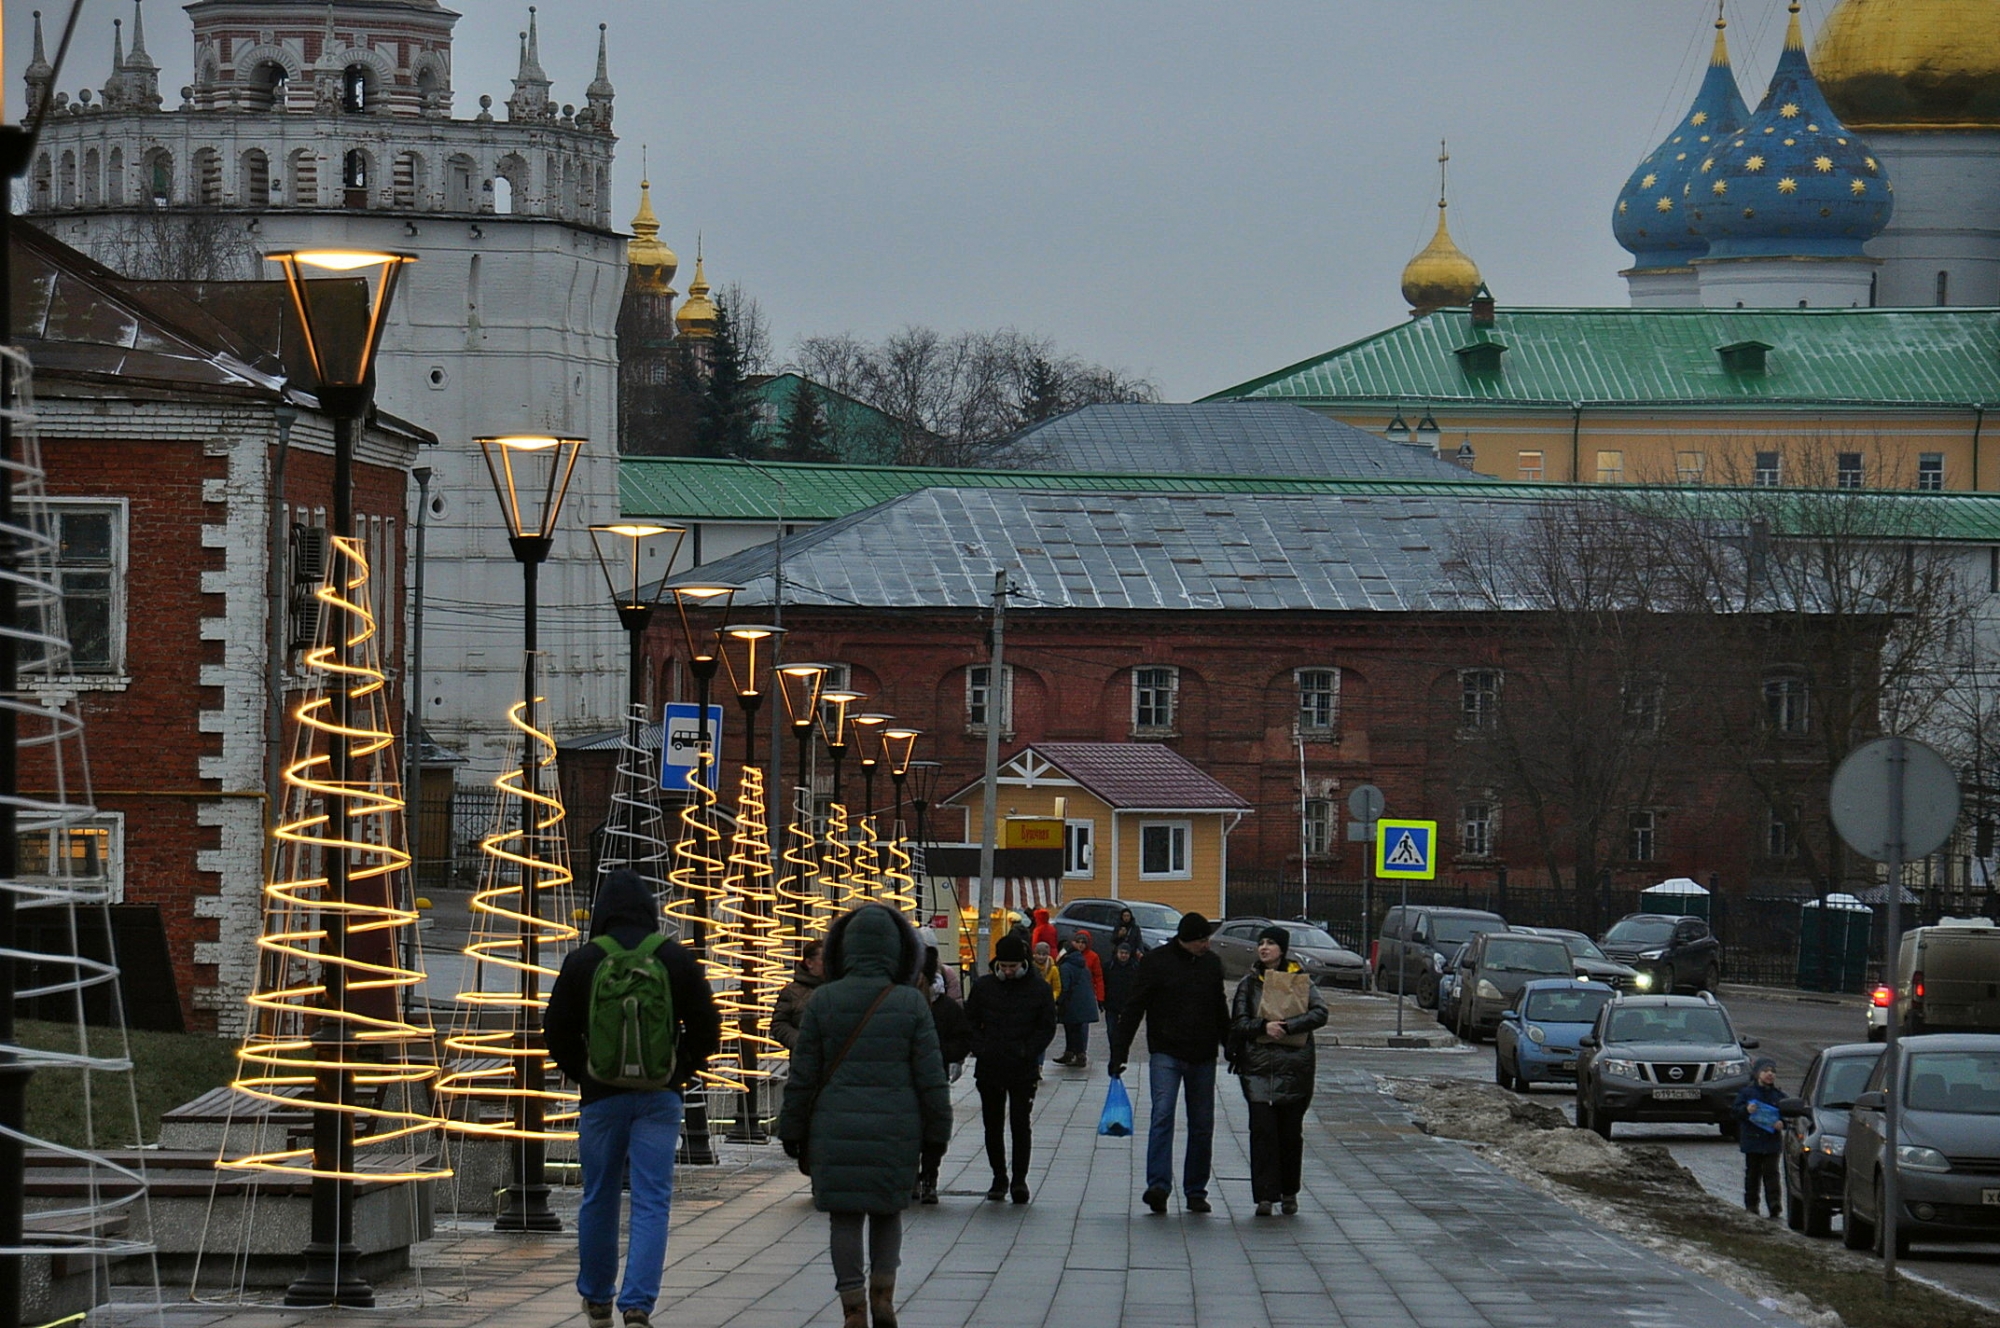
[(954, 1070), (791, 1147), (1118, 1070)]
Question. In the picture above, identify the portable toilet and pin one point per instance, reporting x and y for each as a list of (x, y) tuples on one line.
[(1679, 895), (1834, 944)]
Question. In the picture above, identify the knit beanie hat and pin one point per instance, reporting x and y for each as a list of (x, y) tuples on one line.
[(1194, 927), (1278, 934), (1761, 1064), (1010, 949)]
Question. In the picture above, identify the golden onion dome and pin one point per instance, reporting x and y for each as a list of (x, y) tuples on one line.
[(1441, 277), (654, 263), (696, 317), (1911, 64)]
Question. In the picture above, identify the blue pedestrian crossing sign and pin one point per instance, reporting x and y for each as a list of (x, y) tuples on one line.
[(1406, 850)]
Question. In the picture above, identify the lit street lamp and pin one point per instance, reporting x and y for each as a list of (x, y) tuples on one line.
[(531, 475), (621, 553)]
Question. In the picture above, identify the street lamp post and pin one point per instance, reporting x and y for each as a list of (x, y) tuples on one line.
[(898, 743), (620, 553), (341, 318), (923, 777), (740, 646), (531, 475), (703, 660), (835, 726), (799, 686), (866, 727)]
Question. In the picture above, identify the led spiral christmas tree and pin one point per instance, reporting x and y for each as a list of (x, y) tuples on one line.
[(800, 906), (747, 943)]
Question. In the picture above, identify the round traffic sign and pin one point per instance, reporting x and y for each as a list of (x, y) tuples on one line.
[(1862, 795), (1367, 803)]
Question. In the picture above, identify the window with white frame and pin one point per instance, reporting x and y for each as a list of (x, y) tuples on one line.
[(1163, 850), (1644, 696), (1611, 467), (1642, 836), (87, 854), (1930, 472), (1528, 466), (979, 697), (1319, 701), (1479, 697), (1768, 472), (1153, 694), (1475, 829), (1690, 467), (1849, 472), (1787, 705), (1316, 827), (90, 572), (1079, 848)]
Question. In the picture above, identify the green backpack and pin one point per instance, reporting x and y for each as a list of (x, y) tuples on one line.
[(632, 1032)]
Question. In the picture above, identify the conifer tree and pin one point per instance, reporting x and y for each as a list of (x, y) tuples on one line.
[(805, 434), (723, 427)]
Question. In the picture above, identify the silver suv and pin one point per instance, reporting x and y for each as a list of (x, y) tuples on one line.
[(1157, 922), (1660, 1058)]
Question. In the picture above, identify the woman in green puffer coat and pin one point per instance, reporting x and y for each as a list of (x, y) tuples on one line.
[(864, 1125)]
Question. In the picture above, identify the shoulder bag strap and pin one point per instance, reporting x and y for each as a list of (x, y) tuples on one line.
[(848, 1046)]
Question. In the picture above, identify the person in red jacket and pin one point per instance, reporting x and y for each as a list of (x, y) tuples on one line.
[(1044, 932)]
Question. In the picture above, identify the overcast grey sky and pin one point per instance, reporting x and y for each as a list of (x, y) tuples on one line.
[(1195, 191)]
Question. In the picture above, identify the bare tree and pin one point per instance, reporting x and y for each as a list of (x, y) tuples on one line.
[(181, 245), (751, 328)]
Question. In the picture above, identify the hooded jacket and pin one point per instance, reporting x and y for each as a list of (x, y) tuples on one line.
[(1271, 1071), (1076, 1001), (863, 1128), (1044, 931), (1013, 1021), (791, 1004), (625, 911), (1751, 1137)]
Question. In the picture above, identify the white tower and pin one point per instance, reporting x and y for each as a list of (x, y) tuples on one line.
[(315, 123)]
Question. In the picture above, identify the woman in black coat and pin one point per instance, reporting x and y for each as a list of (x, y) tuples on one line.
[(954, 1036), (1013, 1018), (1277, 1079)]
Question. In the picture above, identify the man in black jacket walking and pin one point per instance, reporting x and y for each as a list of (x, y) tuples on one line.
[(1013, 1020), (1178, 993), (621, 1126)]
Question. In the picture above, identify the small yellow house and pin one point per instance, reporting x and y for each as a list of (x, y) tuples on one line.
[(1140, 821)]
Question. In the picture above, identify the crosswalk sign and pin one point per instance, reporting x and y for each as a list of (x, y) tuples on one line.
[(1406, 850)]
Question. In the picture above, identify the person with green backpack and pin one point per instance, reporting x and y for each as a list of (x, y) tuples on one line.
[(631, 1022)]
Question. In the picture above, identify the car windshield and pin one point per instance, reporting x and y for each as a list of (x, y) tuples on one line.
[(1642, 931), (1528, 956), (1310, 937), (1844, 1079), (1689, 1024), (1156, 916), (1580, 945), (1963, 1082), (1457, 931), (1566, 1007)]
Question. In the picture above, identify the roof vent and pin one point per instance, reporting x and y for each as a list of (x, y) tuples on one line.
[(1481, 359), (1482, 307), (1743, 357)]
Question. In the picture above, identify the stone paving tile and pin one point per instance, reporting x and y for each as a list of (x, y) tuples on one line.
[(1396, 1229)]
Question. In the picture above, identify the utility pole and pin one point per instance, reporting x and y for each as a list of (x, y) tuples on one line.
[(990, 814)]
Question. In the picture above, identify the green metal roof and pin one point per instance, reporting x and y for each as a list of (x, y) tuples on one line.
[(698, 489), (1819, 358), (860, 431)]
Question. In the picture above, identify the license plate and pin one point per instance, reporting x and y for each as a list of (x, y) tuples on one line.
[(1991, 1198), (1677, 1095), (1569, 1067)]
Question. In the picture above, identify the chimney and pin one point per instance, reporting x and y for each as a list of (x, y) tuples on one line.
[(1482, 307)]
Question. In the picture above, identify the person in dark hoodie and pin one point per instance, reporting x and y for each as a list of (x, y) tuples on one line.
[(1178, 996), (1119, 975), (790, 1010), (1013, 1020), (954, 1036), (1757, 1135), (621, 1128), (867, 1092)]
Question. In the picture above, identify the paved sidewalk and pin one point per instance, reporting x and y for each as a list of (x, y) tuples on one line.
[(1397, 1228)]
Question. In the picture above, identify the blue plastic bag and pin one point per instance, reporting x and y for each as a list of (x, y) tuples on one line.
[(1116, 1118), (1765, 1116)]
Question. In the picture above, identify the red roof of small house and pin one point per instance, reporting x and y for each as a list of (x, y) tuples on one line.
[(1132, 776)]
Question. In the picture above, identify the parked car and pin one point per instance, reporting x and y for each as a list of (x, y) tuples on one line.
[(1536, 1040), (1447, 1011), (1815, 1134), (1410, 953), (1660, 1058), (1099, 917), (1877, 1018), (1945, 977), (1325, 960), (1679, 953), (1948, 1152), (1592, 963), (1492, 969)]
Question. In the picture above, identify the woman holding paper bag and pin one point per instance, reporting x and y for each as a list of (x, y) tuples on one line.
[(1272, 1019)]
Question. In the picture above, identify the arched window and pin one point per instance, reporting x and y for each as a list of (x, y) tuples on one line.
[(461, 184), (67, 187), (354, 178), (510, 183), (93, 177), (114, 178), (253, 178), (357, 91), (302, 178), (208, 177), (158, 168), (270, 86), (408, 182), (44, 183)]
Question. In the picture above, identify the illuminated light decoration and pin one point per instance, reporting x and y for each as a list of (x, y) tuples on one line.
[(867, 863), (747, 934), (838, 893), (388, 1055), (635, 836), (899, 885), (696, 879), (521, 864), (799, 916)]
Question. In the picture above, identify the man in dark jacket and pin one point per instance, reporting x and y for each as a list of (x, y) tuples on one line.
[(1119, 976), (1013, 1018), (1756, 1111), (790, 1010), (1178, 994), (954, 1036), (621, 1127)]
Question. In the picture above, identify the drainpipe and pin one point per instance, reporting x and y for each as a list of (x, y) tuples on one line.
[(274, 662), (413, 683), (1978, 427), (1575, 442)]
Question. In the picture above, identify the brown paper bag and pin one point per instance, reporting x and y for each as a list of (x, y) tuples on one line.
[(1285, 995)]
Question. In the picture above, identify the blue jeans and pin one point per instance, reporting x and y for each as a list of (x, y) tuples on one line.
[(1166, 1078), (640, 1130)]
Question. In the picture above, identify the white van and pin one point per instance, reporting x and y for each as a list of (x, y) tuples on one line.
[(1947, 979)]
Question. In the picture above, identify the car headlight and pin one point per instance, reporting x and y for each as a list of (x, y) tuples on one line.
[(1651, 954), (1536, 1035), (1437, 962), (1833, 1145), (1724, 1069), (1619, 1066), (1921, 1159), (1643, 981), (1487, 991)]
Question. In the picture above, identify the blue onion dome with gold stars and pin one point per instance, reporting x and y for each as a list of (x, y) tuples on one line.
[(1650, 219), (1794, 182)]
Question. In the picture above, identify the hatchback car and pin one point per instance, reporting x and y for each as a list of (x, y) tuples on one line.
[(1099, 917), (1592, 964), (1814, 1140), (1660, 1058), (1326, 961), (1537, 1037), (1493, 968), (1948, 1156)]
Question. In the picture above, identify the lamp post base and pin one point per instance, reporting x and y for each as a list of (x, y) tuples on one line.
[(697, 1146), (526, 1208), (330, 1279)]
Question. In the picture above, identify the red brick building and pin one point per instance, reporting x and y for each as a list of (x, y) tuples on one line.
[(165, 425)]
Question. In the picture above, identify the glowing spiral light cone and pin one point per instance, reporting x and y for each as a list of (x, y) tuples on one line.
[(696, 879), (636, 836), (800, 917), (899, 883), (747, 933), (526, 889), (867, 859), (389, 1056), (839, 893)]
